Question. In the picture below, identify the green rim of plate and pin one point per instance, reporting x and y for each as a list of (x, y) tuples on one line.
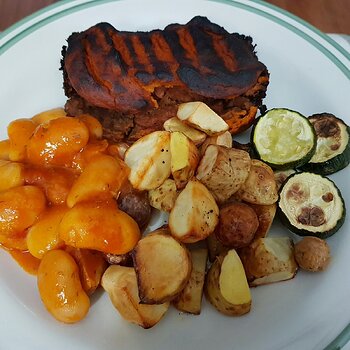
[(344, 336)]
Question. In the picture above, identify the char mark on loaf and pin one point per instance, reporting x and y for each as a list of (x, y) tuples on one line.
[(133, 81)]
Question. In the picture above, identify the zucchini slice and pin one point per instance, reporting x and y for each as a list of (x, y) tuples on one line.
[(284, 139), (333, 147), (311, 205)]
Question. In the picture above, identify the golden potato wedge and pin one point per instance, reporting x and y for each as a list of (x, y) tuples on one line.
[(224, 139), (202, 117), (46, 116), (91, 265), (268, 260), (175, 124), (215, 247), (260, 186), (190, 299), (223, 170), (11, 175), (120, 283), (163, 267), (149, 160), (266, 214), (102, 178), (184, 158), (226, 285), (194, 215), (163, 197)]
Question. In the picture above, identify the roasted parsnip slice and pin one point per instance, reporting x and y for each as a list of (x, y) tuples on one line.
[(163, 267), (175, 124), (202, 117), (194, 215), (190, 299), (267, 260), (120, 283), (149, 160), (223, 170), (226, 285), (163, 197), (224, 139), (260, 187), (184, 158)]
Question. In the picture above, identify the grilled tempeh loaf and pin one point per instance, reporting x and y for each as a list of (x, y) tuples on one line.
[(133, 81)]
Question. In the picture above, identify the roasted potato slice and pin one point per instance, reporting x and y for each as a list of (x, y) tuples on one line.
[(215, 247), (260, 186), (268, 260), (184, 158), (194, 215), (238, 223), (266, 214), (119, 259), (190, 299), (149, 160), (226, 285), (120, 283), (223, 170), (163, 267), (175, 124), (163, 197), (202, 117), (224, 139)]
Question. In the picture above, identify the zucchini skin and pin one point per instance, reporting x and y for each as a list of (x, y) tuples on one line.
[(303, 232), (291, 165), (332, 165)]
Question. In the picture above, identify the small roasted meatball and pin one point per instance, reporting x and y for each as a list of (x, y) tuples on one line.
[(312, 254), (238, 223), (136, 204)]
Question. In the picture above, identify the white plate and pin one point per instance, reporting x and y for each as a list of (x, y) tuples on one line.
[(309, 73)]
